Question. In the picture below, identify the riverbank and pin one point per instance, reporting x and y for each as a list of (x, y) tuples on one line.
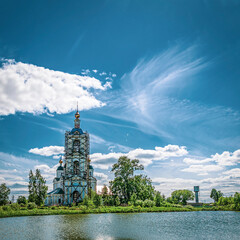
[(84, 210)]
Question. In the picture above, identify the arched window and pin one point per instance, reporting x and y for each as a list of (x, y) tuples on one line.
[(76, 168), (76, 146)]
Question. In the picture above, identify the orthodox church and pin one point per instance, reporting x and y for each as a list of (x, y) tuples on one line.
[(74, 177)]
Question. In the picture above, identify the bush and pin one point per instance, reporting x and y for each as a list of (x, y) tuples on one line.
[(5, 208), (15, 206), (97, 200), (148, 203), (31, 205), (139, 203), (86, 201), (117, 201), (22, 200)]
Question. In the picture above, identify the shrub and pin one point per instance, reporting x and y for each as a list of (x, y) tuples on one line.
[(31, 205), (139, 203), (117, 201), (148, 203), (22, 205), (97, 200), (14, 206), (86, 201), (21, 200), (5, 208)]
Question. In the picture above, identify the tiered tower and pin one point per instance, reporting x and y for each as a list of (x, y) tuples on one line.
[(75, 178)]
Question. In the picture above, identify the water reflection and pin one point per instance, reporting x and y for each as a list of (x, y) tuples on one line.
[(191, 225)]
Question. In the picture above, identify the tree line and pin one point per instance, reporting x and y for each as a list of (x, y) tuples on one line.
[(127, 188)]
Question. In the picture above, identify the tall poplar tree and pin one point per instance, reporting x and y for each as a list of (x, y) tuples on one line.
[(37, 188)]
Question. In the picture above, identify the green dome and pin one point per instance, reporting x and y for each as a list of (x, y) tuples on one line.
[(60, 168), (90, 167)]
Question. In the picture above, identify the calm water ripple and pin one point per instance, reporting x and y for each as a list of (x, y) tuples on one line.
[(178, 225)]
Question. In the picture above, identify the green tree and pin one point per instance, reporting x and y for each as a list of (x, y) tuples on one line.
[(22, 200), (124, 172), (37, 188), (215, 195), (237, 201), (182, 196), (97, 200), (133, 198), (159, 199), (142, 187), (86, 201), (4, 194), (117, 201)]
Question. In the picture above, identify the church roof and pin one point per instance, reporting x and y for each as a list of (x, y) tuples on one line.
[(76, 129), (90, 167), (56, 191), (60, 168)]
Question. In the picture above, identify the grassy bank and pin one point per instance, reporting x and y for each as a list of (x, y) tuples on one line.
[(9, 212)]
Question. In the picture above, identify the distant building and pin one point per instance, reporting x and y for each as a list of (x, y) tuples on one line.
[(74, 180)]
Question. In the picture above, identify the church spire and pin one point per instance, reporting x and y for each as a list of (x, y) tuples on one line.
[(77, 120)]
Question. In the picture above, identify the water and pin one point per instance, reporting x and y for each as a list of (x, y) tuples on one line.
[(177, 226)]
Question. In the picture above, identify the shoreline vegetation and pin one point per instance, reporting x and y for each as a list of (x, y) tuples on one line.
[(127, 193), (15, 211)]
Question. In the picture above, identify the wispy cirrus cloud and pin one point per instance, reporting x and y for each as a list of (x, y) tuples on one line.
[(29, 88), (149, 96)]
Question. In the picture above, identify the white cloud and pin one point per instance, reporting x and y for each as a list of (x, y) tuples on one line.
[(224, 159), (202, 169), (235, 172), (114, 75), (102, 73), (146, 157), (29, 88), (95, 71), (48, 151)]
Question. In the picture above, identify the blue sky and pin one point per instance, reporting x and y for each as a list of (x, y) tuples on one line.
[(156, 80)]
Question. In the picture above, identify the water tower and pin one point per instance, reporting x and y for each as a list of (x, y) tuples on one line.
[(196, 190)]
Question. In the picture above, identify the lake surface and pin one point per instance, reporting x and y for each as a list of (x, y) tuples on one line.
[(174, 225)]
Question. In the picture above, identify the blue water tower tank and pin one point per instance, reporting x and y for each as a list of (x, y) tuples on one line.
[(196, 190)]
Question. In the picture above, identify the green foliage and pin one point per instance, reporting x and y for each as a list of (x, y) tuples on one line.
[(236, 201), (15, 206), (109, 200), (97, 200), (182, 196), (5, 208), (159, 199), (22, 200), (4, 194), (117, 201), (139, 203), (148, 203), (133, 198), (224, 201), (31, 205), (37, 188), (86, 201), (142, 187), (128, 186), (124, 171), (215, 195)]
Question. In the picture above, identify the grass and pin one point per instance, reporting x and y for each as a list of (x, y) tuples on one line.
[(9, 212)]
